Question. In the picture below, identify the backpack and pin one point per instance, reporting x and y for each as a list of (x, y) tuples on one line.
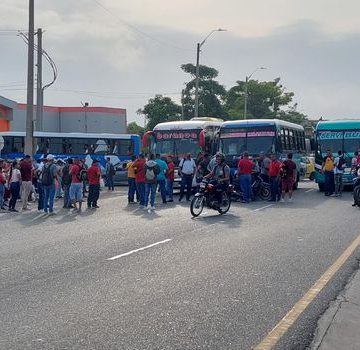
[(47, 178), (112, 169), (341, 163), (82, 175), (151, 173), (66, 177)]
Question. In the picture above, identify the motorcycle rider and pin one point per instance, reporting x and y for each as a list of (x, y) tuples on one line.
[(220, 176)]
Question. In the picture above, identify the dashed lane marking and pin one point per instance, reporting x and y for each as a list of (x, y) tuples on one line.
[(138, 250), (290, 318), (266, 206)]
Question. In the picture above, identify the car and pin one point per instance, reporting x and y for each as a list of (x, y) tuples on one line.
[(120, 177)]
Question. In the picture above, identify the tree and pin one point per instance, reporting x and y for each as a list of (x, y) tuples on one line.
[(133, 128), (160, 109), (293, 116), (211, 93), (265, 99)]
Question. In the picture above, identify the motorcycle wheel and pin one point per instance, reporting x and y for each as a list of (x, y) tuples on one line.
[(197, 206), (225, 205), (265, 193), (357, 195)]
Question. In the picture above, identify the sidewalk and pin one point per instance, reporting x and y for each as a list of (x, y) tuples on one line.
[(339, 327)]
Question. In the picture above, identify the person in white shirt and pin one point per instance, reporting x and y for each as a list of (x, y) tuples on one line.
[(14, 185), (339, 164), (187, 168)]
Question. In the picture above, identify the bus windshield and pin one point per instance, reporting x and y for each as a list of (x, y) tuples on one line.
[(177, 147), (253, 141), (330, 140)]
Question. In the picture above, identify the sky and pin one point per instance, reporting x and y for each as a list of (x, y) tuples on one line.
[(117, 53)]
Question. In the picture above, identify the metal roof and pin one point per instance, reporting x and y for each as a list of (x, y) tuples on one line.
[(260, 122), (186, 125), (338, 124)]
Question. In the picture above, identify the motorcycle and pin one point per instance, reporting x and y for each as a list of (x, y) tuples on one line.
[(356, 188), (259, 187), (207, 196)]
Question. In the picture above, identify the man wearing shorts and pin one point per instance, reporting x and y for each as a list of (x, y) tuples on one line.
[(76, 186), (288, 178)]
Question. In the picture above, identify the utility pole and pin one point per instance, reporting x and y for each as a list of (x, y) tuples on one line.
[(196, 114), (246, 97), (39, 90), (182, 104), (29, 147)]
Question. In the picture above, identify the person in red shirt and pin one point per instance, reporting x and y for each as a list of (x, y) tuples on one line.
[(274, 174), (170, 178), (245, 168), (139, 167), (94, 175), (76, 187)]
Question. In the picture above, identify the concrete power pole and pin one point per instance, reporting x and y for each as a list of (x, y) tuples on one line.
[(39, 90), (29, 147)]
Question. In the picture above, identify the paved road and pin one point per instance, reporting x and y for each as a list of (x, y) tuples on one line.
[(215, 282)]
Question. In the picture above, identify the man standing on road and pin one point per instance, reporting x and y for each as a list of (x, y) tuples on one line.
[(245, 168), (274, 174), (187, 168), (26, 170), (288, 179), (76, 187), (139, 167), (339, 166), (66, 181), (109, 172), (161, 177), (131, 180), (2, 185), (264, 165), (151, 172), (94, 175), (328, 169), (170, 179), (48, 177)]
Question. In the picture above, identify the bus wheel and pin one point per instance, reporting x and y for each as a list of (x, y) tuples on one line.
[(321, 187)]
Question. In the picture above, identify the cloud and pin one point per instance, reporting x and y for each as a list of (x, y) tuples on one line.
[(103, 60)]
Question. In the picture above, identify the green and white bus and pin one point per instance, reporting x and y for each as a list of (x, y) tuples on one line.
[(336, 135)]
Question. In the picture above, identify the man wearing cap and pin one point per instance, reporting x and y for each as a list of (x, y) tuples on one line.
[(94, 175), (26, 170), (48, 177)]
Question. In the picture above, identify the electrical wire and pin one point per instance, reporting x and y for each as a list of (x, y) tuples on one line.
[(137, 30)]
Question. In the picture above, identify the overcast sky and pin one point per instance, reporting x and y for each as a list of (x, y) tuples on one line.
[(121, 53)]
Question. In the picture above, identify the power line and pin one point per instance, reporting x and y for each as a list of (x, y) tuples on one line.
[(139, 31)]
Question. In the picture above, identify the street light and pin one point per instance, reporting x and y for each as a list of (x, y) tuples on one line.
[(246, 89), (196, 114)]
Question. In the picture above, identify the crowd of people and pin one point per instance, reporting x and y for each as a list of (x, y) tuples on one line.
[(70, 179), (47, 179)]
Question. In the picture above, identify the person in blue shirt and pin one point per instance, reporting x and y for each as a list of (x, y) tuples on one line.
[(161, 177)]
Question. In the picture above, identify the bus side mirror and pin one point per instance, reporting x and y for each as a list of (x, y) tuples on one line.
[(146, 139), (202, 139)]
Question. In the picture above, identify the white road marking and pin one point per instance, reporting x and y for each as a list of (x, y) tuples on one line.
[(266, 206), (138, 250), (311, 189)]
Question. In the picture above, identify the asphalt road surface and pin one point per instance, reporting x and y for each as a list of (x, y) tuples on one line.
[(122, 278)]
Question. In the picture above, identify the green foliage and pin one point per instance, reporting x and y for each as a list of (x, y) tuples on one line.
[(160, 109), (133, 128), (211, 93), (265, 99)]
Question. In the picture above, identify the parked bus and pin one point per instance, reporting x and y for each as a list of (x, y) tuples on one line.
[(119, 147), (179, 138), (336, 135), (262, 135)]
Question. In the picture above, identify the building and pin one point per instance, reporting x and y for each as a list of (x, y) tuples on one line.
[(65, 119)]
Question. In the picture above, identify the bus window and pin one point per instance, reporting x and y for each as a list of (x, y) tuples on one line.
[(18, 146), (55, 145), (123, 148), (8, 144), (102, 147)]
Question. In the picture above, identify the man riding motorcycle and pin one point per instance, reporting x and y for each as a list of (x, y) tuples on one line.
[(219, 176)]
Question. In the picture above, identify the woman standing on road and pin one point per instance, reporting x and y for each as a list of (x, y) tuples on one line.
[(14, 185)]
